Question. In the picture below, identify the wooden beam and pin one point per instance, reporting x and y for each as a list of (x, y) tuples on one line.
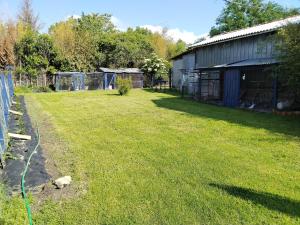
[(19, 136), (15, 112)]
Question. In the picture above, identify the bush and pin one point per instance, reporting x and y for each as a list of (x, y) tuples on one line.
[(124, 85), (41, 89)]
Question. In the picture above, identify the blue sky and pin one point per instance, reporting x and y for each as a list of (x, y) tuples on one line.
[(185, 18)]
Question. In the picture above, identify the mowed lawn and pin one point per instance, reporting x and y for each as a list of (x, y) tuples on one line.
[(154, 158)]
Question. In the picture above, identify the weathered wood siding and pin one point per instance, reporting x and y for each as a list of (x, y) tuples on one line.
[(256, 47)]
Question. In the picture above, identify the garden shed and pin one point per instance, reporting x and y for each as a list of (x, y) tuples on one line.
[(235, 68), (69, 81), (110, 76)]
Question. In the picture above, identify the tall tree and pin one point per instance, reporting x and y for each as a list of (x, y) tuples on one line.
[(289, 69), (8, 37), (239, 14), (27, 17), (36, 55), (64, 38)]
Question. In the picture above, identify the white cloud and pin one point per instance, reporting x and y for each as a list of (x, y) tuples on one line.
[(119, 24), (176, 33)]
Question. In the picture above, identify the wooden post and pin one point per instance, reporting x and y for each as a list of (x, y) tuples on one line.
[(275, 92), (170, 79)]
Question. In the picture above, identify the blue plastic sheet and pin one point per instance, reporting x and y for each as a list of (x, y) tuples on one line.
[(6, 95)]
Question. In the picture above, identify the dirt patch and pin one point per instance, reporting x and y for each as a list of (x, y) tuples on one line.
[(58, 161)]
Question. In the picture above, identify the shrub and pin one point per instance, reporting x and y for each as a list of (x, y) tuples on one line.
[(41, 89), (124, 85)]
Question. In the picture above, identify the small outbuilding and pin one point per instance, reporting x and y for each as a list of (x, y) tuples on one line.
[(104, 79), (69, 81), (110, 76)]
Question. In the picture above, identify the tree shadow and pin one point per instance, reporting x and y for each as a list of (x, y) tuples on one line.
[(271, 201), (289, 125)]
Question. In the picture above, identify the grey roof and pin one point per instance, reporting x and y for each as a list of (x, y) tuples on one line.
[(68, 73), (251, 31), (121, 70), (248, 62)]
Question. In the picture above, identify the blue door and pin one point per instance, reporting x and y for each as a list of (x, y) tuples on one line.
[(232, 88)]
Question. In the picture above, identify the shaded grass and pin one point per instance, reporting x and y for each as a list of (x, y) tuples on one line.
[(151, 158)]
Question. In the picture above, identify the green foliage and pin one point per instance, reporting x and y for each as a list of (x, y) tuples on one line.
[(155, 68), (23, 89), (30, 89), (12, 210), (289, 48), (124, 85), (36, 54), (239, 14), (92, 41), (41, 89)]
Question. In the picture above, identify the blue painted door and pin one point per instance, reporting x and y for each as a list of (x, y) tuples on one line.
[(232, 88)]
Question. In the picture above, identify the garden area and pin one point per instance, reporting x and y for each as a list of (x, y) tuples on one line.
[(155, 158)]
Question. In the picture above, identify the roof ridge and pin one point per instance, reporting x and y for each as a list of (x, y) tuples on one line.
[(261, 24), (276, 25)]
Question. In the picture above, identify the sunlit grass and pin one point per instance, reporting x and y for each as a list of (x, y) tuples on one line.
[(153, 158)]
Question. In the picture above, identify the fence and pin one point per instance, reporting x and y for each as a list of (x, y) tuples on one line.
[(6, 96)]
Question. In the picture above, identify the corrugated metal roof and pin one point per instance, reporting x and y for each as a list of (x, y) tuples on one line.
[(251, 31), (68, 73), (121, 70), (248, 62), (254, 62)]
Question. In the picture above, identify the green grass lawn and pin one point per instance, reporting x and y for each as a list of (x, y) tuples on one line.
[(154, 158)]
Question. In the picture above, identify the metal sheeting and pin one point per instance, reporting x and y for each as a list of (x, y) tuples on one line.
[(264, 28), (253, 62), (259, 47), (246, 63), (121, 70)]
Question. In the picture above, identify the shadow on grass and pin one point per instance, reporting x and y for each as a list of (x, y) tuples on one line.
[(273, 202), (273, 123)]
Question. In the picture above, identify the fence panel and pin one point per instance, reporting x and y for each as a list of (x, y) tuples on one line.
[(6, 96)]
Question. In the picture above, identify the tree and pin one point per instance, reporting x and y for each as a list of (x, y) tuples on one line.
[(175, 49), (8, 37), (154, 68), (127, 49), (27, 17), (36, 55), (64, 39), (289, 48), (239, 14)]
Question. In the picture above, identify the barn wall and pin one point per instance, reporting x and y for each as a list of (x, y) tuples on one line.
[(176, 72), (181, 66), (261, 46)]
